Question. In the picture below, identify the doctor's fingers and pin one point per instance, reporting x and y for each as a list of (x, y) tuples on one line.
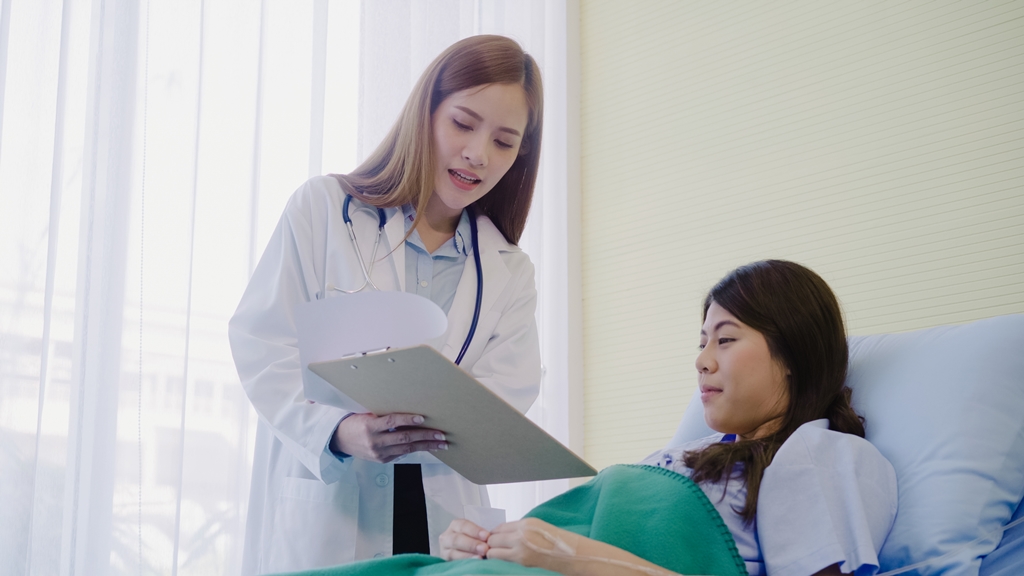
[(358, 435), (410, 436), (392, 421), (386, 454)]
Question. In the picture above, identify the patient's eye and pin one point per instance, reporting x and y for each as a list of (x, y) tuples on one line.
[(725, 340)]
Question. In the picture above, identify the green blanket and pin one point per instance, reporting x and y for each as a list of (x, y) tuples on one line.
[(654, 513)]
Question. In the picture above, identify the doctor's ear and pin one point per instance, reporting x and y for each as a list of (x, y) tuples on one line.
[(524, 147)]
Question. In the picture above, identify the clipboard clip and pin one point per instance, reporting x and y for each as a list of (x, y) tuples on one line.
[(361, 354)]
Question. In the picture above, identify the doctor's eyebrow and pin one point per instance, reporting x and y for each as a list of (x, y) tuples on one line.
[(480, 118), (719, 326)]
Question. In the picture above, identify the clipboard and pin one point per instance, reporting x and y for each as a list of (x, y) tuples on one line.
[(489, 441)]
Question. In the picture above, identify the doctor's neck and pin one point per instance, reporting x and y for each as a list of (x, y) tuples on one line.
[(438, 224), (441, 217)]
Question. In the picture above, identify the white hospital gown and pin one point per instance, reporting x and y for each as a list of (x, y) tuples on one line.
[(827, 498)]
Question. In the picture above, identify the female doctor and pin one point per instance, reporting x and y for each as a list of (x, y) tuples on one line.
[(445, 196)]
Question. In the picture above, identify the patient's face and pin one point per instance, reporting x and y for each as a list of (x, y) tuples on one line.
[(742, 387)]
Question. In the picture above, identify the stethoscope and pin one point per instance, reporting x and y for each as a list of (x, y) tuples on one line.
[(367, 270)]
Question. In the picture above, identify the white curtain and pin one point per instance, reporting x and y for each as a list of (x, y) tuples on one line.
[(146, 151)]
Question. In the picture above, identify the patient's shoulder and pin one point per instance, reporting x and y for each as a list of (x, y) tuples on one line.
[(814, 444)]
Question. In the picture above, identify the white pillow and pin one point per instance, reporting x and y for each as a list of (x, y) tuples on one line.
[(945, 405)]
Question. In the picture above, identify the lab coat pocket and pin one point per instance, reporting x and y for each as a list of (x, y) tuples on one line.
[(314, 525)]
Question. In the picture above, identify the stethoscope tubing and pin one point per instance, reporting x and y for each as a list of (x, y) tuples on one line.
[(381, 221), (479, 287)]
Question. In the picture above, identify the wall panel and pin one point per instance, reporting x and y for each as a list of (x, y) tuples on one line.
[(881, 144)]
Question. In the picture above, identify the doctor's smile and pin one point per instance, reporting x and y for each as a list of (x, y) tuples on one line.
[(464, 180)]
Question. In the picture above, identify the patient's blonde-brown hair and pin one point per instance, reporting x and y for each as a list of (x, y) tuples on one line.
[(401, 169)]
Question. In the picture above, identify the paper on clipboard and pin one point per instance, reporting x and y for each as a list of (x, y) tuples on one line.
[(353, 324), (490, 442)]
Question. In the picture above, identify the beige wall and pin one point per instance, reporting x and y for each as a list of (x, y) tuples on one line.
[(880, 143)]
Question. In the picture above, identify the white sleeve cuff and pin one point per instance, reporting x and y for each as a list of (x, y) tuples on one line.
[(331, 465)]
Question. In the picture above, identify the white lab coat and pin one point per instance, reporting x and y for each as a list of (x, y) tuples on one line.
[(307, 508)]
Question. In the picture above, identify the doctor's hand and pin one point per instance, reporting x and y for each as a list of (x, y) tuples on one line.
[(384, 438), (464, 539)]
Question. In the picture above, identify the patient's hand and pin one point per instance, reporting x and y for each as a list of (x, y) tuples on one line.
[(532, 542), (464, 539), (537, 544)]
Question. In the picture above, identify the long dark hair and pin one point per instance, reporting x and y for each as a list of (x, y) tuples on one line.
[(799, 316), (401, 169)]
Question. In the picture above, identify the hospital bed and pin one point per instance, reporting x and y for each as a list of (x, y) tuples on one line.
[(945, 405)]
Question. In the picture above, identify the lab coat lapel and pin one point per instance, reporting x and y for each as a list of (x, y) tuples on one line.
[(496, 276)]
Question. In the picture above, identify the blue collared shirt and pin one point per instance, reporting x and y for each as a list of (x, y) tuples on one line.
[(435, 276)]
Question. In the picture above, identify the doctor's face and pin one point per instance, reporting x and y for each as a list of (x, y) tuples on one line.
[(477, 134), (743, 388)]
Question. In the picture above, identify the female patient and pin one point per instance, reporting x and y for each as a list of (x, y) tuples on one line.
[(796, 484)]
